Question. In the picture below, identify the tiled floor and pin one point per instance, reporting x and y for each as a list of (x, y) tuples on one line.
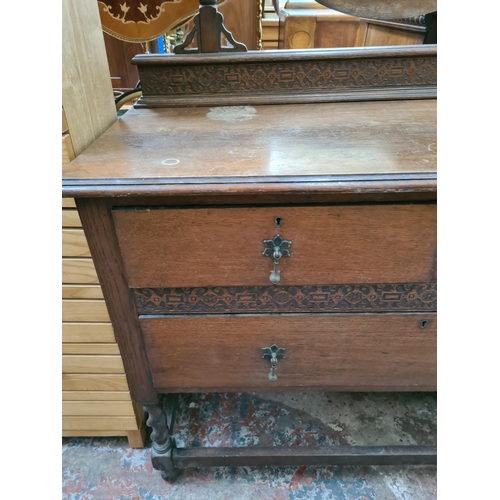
[(105, 468)]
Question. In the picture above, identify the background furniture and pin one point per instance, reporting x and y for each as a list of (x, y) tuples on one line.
[(96, 397), (307, 24)]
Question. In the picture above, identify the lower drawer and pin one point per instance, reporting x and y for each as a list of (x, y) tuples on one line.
[(379, 352)]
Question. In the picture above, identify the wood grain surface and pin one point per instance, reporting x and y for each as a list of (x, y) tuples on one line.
[(90, 349), (95, 396), (330, 245), (93, 382), (381, 352), (87, 96), (88, 332), (79, 271), (98, 408), (68, 203), (97, 433), (98, 226), (70, 218), (99, 423), (85, 310), (74, 243), (92, 364), (280, 140), (81, 292)]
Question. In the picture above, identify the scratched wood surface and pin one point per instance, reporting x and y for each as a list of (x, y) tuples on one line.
[(274, 140)]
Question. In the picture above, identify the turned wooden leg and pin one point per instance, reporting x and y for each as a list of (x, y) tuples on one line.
[(161, 421)]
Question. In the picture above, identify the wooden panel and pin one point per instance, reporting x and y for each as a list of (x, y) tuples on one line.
[(93, 311), (240, 18), (211, 247), (88, 332), (90, 349), (340, 34), (81, 292), (298, 32), (64, 122), (98, 408), (99, 423), (87, 96), (382, 35), (92, 364), (93, 382), (74, 243), (98, 223), (70, 218), (67, 149), (347, 351), (137, 439), (68, 203), (79, 271), (94, 433), (96, 395)]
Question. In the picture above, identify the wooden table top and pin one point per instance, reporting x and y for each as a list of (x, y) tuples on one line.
[(245, 144)]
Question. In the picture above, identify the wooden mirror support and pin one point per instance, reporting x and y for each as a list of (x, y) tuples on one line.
[(208, 28)]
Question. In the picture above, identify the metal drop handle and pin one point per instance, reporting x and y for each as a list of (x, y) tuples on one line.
[(276, 249), (273, 353)]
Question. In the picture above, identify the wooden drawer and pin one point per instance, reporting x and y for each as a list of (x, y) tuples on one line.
[(338, 352), (382, 243)]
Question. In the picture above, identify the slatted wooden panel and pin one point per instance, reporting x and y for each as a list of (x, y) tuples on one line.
[(99, 423), (97, 433), (91, 349), (74, 243), (79, 271), (96, 395), (92, 364), (88, 332), (94, 382), (81, 292), (98, 408), (85, 310), (70, 218), (68, 203)]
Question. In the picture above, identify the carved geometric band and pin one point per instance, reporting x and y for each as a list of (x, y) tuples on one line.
[(287, 299), (322, 76)]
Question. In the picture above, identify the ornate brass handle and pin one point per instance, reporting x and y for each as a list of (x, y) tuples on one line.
[(276, 248), (273, 353)]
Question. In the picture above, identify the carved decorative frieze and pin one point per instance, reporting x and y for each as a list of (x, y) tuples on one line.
[(287, 299), (327, 74), (288, 76)]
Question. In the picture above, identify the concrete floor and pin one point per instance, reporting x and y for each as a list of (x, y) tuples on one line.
[(105, 468)]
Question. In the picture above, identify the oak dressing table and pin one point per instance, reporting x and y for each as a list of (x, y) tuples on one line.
[(267, 222)]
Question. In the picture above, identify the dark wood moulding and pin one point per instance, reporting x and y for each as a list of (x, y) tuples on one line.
[(312, 455), (286, 76)]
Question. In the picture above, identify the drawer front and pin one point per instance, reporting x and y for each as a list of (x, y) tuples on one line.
[(338, 352), (348, 244)]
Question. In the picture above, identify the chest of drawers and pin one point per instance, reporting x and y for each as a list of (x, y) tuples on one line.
[(266, 247)]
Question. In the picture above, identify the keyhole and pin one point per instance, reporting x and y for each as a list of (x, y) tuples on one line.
[(423, 324), (277, 221)]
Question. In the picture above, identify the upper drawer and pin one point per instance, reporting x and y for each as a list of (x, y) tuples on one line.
[(190, 247)]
